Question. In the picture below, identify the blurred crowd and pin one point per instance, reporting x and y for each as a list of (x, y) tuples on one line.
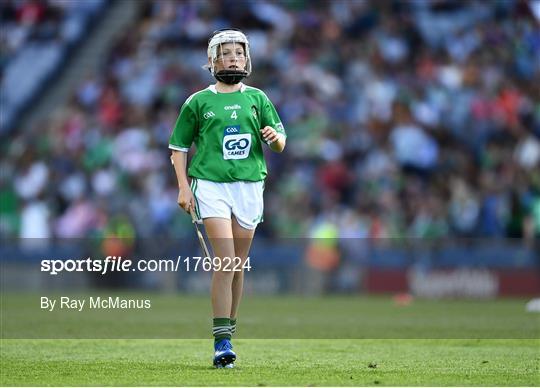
[(37, 36), (405, 119)]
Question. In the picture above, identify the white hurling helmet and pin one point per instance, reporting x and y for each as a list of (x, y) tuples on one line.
[(228, 35)]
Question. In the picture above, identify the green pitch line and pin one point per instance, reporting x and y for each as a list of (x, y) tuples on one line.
[(176, 316), (272, 362)]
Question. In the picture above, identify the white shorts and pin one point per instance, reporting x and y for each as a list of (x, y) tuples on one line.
[(242, 199)]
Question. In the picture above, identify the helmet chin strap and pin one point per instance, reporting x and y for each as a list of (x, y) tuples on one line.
[(230, 77)]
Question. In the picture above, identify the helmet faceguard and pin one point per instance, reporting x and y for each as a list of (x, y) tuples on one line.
[(215, 43)]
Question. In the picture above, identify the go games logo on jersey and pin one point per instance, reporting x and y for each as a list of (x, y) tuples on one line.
[(236, 145)]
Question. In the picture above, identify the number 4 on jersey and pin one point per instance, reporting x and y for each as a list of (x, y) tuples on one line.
[(234, 115)]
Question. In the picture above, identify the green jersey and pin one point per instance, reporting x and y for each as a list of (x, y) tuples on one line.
[(225, 128)]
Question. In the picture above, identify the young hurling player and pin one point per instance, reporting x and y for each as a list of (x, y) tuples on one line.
[(228, 122)]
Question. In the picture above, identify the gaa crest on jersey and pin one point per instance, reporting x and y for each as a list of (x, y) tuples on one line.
[(208, 115), (236, 145)]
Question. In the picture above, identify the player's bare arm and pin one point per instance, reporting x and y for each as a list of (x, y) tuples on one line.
[(185, 196)]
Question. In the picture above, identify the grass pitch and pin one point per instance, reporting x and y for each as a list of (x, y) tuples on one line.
[(317, 341), (272, 362)]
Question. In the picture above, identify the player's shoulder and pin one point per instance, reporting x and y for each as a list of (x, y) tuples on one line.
[(201, 94), (253, 91)]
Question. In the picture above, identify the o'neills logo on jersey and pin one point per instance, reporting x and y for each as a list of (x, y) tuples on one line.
[(231, 107)]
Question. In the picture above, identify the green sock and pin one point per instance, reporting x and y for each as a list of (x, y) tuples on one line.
[(233, 325), (221, 329)]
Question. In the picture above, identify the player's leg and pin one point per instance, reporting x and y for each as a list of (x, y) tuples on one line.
[(242, 242), (219, 232), (247, 212), (211, 202), (213, 207)]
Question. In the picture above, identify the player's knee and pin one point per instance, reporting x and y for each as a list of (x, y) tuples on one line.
[(223, 274)]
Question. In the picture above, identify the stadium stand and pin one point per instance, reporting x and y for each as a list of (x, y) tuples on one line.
[(37, 37), (401, 124)]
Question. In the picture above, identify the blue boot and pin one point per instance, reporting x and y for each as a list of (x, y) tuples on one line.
[(224, 357)]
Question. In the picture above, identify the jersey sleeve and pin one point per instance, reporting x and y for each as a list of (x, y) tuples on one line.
[(271, 118), (184, 130)]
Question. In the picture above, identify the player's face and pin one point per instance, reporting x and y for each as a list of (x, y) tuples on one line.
[(231, 56)]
